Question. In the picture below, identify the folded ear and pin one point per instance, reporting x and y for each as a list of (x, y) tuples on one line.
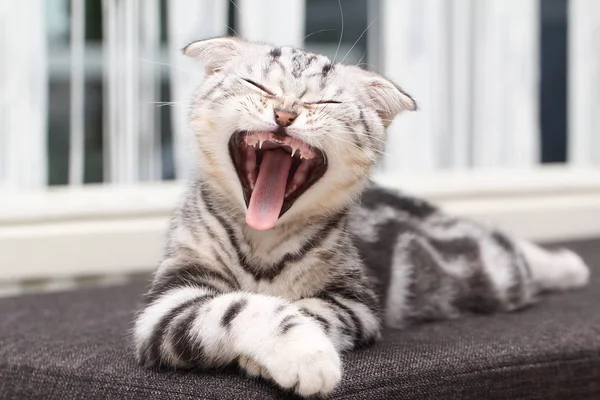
[(386, 97), (214, 53)]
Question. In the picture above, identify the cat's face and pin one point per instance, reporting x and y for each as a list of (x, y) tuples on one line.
[(285, 133)]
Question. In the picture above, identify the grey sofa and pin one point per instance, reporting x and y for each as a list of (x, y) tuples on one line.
[(75, 346)]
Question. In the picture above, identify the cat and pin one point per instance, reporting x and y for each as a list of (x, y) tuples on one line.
[(269, 255)]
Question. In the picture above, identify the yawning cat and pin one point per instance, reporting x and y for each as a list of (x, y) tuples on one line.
[(269, 253)]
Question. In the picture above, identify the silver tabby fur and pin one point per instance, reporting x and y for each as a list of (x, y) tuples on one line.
[(285, 303)]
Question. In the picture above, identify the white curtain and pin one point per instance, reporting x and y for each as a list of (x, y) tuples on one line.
[(189, 20), (280, 22), (23, 94), (131, 58), (77, 97), (584, 82), (472, 65)]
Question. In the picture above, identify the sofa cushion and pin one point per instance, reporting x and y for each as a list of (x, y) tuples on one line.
[(76, 345)]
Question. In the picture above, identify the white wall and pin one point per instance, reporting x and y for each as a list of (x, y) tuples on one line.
[(120, 229), (473, 68), (23, 95), (584, 82), (471, 64)]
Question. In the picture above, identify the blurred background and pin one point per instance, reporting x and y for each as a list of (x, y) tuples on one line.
[(94, 146)]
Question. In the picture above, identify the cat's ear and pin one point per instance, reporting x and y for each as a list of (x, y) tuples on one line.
[(386, 97), (214, 53)]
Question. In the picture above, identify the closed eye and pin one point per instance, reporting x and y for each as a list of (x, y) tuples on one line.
[(325, 102), (259, 86)]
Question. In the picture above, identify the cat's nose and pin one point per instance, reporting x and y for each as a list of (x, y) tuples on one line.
[(284, 117)]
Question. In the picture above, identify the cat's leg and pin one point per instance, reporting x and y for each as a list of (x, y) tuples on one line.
[(435, 279), (554, 269), (191, 325), (253, 368), (347, 321)]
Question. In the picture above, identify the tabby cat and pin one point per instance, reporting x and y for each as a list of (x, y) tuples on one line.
[(268, 257)]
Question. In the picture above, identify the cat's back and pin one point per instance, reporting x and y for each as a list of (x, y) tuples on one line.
[(381, 211), (378, 220)]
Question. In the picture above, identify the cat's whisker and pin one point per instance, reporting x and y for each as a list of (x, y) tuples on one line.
[(369, 136), (366, 119), (336, 152), (166, 65), (233, 30), (356, 146), (318, 31), (236, 7), (342, 31), (361, 58), (338, 47), (357, 40), (365, 64), (322, 115), (345, 101), (168, 103)]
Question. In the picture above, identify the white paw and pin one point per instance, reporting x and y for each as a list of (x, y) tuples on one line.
[(306, 361), (576, 272), (252, 368)]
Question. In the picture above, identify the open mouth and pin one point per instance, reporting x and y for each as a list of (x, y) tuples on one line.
[(274, 170)]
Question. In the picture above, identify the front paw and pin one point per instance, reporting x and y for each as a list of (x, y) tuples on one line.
[(252, 368), (305, 360)]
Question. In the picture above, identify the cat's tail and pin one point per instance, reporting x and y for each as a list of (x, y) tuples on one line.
[(555, 269)]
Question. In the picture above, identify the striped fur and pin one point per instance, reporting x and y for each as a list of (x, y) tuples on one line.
[(285, 303)]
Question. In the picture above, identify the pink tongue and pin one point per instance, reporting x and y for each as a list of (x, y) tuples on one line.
[(269, 190)]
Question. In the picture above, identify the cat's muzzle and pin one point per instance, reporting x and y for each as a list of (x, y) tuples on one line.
[(274, 170)]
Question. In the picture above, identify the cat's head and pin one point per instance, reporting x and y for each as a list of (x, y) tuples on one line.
[(284, 133)]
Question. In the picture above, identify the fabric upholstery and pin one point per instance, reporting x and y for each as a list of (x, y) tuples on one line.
[(76, 345)]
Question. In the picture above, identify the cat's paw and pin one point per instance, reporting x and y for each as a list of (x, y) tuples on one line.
[(306, 361), (576, 272), (253, 368)]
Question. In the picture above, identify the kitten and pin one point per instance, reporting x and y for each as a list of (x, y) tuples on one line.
[(264, 265)]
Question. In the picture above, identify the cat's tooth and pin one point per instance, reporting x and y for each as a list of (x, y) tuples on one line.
[(291, 190), (300, 176), (293, 151), (250, 140), (260, 143), (296, 144), (263, 136), (303, 153), (308, 154)]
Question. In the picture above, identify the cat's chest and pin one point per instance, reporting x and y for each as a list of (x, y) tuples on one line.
[(276, 263), (281, 287), (293, 279)]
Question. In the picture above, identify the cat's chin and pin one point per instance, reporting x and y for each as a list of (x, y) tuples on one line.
[(274, 170)]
